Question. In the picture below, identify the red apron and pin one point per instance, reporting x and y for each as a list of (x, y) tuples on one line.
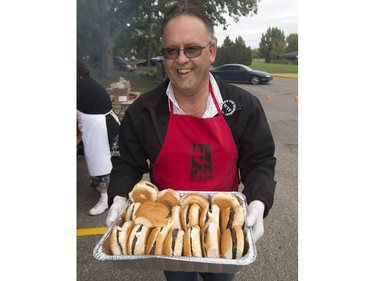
[(198, 154)]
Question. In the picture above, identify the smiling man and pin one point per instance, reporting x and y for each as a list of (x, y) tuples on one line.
[(194, 132), (189, 49)]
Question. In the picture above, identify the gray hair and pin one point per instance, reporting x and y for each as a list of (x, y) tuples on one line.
[(184, 8)]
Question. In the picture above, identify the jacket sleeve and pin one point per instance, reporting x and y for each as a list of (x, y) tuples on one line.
[(128, 167), (256, 156), (140, 141)]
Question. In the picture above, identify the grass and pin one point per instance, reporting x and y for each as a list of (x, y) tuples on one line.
[(259, 64), (144, 78), (141, 80)]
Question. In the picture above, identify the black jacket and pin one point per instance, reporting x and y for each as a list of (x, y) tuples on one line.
[(144, 128)]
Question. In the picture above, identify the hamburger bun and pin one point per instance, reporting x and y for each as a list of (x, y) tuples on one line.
[(225, 200), (210, 213), (232, 243), (169, 197), (155, 240), (230, 217), (152, 214), (130, 211), (176, 217), (173, 243), (190, 216), (138, 239), (211, 240), (192, 242), (119, 237), (194, 198), (143, 191)]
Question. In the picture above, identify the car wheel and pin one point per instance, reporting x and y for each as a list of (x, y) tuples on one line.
[(254, 80)]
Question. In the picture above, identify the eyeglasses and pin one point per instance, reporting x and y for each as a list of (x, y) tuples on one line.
[(190, 52)]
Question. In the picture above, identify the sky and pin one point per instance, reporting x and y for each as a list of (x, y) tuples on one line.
[(282, 14)]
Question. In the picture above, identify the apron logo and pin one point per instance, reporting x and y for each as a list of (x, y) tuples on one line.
[(228, 108), (201, 163)]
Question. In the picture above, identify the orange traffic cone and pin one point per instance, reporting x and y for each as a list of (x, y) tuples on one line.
[(296, 99), (268, 98)]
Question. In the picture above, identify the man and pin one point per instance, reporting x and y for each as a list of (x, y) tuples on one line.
[(196, 132)]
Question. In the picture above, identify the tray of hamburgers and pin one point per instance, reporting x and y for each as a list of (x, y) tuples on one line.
[(179, 231)]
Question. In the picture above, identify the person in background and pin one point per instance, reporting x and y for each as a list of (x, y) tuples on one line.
[(98, 126), (195, 132)]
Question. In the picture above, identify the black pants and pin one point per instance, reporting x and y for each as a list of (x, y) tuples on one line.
[(193, 276)]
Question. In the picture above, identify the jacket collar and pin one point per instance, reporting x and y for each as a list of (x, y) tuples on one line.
[(158, 100)]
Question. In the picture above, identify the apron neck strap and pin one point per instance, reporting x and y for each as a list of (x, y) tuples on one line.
[(215, 101)]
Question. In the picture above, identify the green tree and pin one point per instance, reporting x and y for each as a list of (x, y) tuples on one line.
[(255, 54), (233, 52), (106, 20), (292, 42), (224, 52), (242, 53), (141, 38), (227, 43), (272, 44)]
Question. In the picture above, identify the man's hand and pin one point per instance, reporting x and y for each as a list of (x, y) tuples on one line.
[(118, 203), (254, 218)]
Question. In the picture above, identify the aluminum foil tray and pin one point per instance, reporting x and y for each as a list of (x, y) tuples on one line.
[(190, 264)]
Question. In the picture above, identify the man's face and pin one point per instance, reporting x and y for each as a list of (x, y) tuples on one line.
[(188, 75)]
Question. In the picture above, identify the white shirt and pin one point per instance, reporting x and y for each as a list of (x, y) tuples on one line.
[(211, 110)]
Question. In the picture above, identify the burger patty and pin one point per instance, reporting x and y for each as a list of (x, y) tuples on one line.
[(234, 243), (174, 237), (152, 251), (136, 238), (118, 241), (231, 217)]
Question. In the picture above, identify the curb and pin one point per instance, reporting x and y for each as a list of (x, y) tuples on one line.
[(285, 76)]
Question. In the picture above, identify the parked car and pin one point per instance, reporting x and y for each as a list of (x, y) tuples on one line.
[(155, 60), (241, 73), (141, 62), (123, 64)]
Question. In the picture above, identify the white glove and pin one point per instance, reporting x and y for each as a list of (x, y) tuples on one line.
[(113, 213), (254, 218)]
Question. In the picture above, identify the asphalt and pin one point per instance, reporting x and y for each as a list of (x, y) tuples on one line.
[(277, 250)]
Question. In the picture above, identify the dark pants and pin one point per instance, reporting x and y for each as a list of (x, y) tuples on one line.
[(193, 276)]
